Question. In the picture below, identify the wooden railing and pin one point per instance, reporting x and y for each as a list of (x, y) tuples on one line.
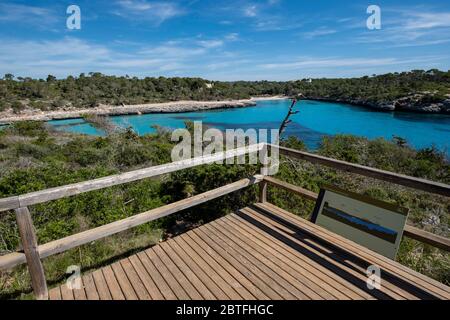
[(33, 253), (412, 182)]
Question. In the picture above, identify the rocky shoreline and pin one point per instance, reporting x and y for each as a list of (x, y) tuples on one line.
[(411, 103), (105, 110)]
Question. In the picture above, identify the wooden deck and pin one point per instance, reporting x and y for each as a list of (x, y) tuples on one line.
[(259, 253)]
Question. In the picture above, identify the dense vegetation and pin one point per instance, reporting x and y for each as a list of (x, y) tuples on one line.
[(91, 90), (33, 157)]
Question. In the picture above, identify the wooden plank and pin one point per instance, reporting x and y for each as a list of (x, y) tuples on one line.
[(360, 250), (177, 273), (295, 269), (427, 237), (113, 285), (297, 284), (160, 282), (400, 179), (88, 236), (263, 192), (167, 275), (292, 188), (66, 293), (101, 183), (29, 244), (232, 288), (101, 285), (391, 268), (260, 279), (196, 282), (146, 279), (252, 292), (135, 281), (80, 294), (332, 283), (90, 288), (276, 281), (54, 293), (9, 203), (405, 273), (11, 260), (345, 258), (124, 283), (293, 238), (390, 285), (195, 267), (410, 231)]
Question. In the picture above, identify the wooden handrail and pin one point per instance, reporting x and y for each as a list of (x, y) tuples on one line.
[(29, 244), (118, 179), (33, 253), (400, 179), (58, 246), (410, 231)]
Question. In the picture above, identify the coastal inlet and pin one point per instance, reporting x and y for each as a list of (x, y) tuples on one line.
[(315, 120)]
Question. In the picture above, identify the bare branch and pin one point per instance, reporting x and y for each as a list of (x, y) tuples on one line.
[(291, 112)]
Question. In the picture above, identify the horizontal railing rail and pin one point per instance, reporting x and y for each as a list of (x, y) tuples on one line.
[(114, 180), (410, 231), (61, 245), (399, 179)]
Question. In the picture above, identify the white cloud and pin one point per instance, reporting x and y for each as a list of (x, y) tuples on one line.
[(214, 43), (232, 37), (251, 11), (308, 62), (410, 28), (153, 11), (427, 20), (322, 31), (72, 56), (26, 14)]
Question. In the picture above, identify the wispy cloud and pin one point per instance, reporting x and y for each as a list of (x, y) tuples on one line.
[(308, 62), (250, 10), (26, 14), (155, 12), (71, 56), (322, 31), (417, 20), (410, 28)]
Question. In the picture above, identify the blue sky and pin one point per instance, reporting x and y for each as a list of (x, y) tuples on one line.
[(223, 40)]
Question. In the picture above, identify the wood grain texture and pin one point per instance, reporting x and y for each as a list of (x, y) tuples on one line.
[(64, 244), (101, 183), (261, 252), (30, 248), (407, 181), (410, 231)]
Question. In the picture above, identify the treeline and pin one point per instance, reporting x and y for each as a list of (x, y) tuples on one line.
[(93, 89)]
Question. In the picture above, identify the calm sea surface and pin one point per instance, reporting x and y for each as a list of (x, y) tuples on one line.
[(315, 120)]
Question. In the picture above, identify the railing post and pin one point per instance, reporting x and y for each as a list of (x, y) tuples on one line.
[(30, 248), (264, 171)]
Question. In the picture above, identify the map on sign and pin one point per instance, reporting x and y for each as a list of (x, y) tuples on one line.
[(375, 224)]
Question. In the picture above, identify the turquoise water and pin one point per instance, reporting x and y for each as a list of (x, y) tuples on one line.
[(315, 120)]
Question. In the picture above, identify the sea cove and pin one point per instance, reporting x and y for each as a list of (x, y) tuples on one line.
[(315, 120)]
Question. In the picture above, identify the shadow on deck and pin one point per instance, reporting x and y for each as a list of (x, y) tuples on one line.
[(260, 252)]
